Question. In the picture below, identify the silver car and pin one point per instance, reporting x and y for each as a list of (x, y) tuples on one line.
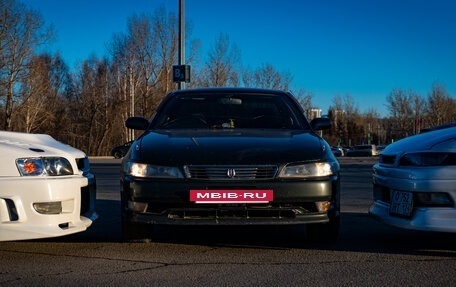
[(414, 182)]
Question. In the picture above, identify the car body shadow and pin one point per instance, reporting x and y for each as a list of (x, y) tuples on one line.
[(359, 233)]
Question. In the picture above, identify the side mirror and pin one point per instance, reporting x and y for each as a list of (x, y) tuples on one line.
[(320, 124), (137, 123)]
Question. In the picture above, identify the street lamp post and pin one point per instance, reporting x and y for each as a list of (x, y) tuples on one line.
[(181, 72), (181, 60)]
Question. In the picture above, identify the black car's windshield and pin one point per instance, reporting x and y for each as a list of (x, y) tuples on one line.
[(228, 111)]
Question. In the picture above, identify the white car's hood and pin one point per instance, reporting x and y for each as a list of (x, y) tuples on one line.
[(14, 145), (438, 140)]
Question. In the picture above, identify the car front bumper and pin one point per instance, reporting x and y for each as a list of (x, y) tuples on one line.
[(294, 202), (440, 219), (427, 218), (22, 218)]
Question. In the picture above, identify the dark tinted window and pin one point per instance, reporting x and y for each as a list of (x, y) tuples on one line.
[(228, 111)]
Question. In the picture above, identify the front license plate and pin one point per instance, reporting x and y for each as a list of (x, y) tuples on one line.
[(401, 203), (231, 196)]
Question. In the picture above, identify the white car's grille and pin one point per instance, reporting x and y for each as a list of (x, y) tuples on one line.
[(387, 159), (230, 172)]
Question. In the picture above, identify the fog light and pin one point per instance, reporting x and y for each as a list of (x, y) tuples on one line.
[(433, 199), (48, 207), (137, 206), (323, 205)]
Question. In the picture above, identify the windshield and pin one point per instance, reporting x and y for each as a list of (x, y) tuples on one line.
[(228, 111)]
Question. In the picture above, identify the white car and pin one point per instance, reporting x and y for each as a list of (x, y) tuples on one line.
[(46, 188), (414, 182)]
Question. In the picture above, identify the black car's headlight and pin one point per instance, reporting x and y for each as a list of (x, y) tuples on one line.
[(428, 159), (316, 169), (152, 171), (51, 166)]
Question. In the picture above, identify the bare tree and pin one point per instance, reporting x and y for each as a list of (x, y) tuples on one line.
[(91, 111), (304, 98), (221, 68), (339, 126), (37, 104), (354, 126), (22, 31), (399, 105), (348, 126), (142, 64), (267, 76), (441, 107), (419, 107), (371, 125)]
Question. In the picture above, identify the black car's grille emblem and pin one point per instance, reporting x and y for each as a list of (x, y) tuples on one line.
[(230, 172)]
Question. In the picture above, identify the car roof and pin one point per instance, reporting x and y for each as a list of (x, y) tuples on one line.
[(226, 90), (229, 90)]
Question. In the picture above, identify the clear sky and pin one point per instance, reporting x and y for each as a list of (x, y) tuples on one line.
[(364, 48)]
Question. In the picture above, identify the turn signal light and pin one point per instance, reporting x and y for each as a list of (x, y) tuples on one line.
[(323, 205)]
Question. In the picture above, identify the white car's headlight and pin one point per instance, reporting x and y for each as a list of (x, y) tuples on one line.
[(152, 171), (316, 169), (51, 166)]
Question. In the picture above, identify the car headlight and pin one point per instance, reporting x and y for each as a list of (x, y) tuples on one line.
[(51, 166), (152, 171), (315, 169), (428, 159)]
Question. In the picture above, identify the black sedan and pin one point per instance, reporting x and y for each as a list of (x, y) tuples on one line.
[(230, 156)]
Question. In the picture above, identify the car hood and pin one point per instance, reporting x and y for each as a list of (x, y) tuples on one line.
[(229, 147), (438, 140), (16, 145)]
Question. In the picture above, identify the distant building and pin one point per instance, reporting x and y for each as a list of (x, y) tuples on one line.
[(313, 113), (338, 114)]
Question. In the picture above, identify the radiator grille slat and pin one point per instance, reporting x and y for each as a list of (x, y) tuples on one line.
[(230, 172)]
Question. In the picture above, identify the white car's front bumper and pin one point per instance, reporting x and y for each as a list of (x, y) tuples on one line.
[(415, 180), (441, 219), (20, 220)]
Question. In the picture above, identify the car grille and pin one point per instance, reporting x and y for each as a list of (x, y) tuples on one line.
[(230, 172), (387, 159)]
